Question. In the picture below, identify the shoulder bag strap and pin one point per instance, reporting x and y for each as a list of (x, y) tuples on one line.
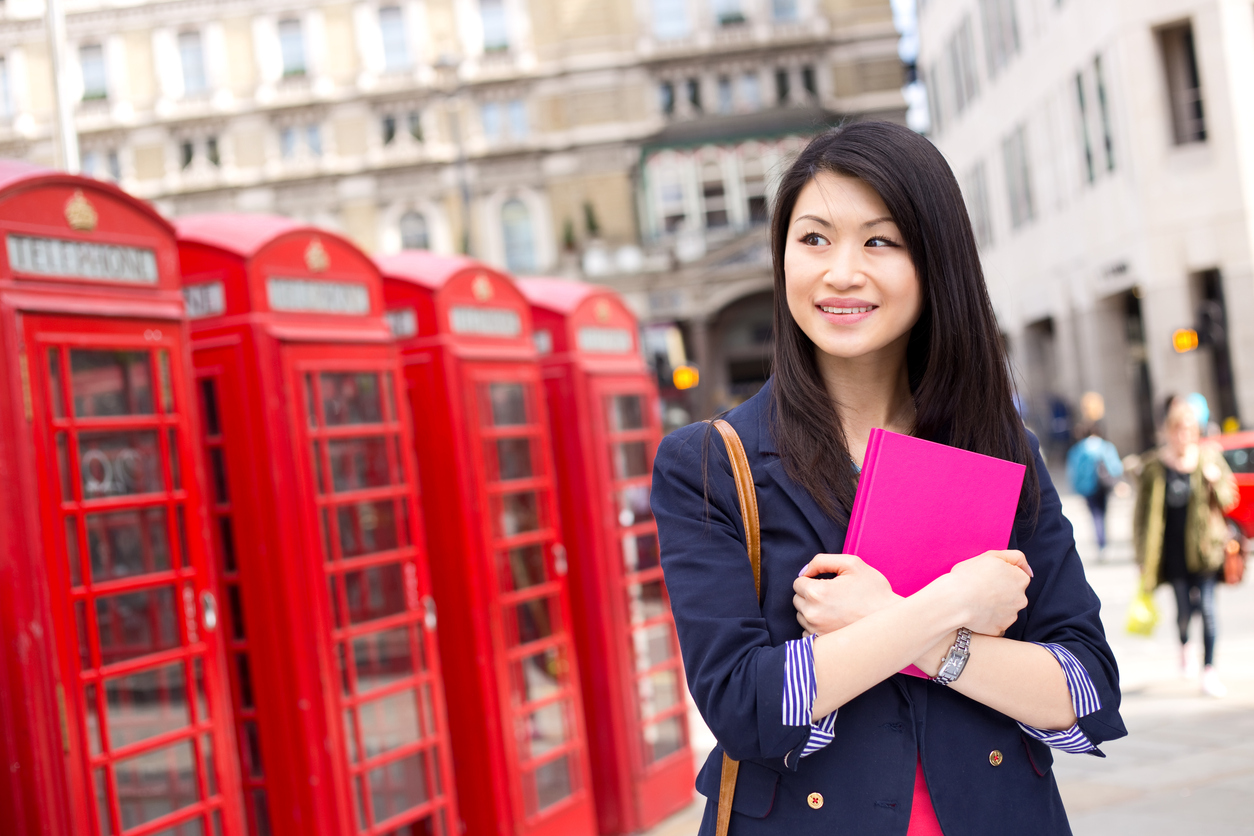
[(749, 514)]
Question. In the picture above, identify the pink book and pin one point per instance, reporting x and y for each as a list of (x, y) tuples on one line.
[(923, 507)]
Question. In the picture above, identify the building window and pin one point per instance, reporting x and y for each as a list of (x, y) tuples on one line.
[(520, 252), (694, 93), (784, 11), (1018, 177), (808, 81), (751, 91), (1001, 33), (292, 47), (102, 165), (1089, 169), (95, 84), (728, 12), (190, 150), (977, 205), (670, 19), (725, 99), (960, 58), (300, 140), (192, 57), (388, 124), (392, 28), (414, 232), (931, 81), (1108, 140), (504, 121), (781, 86), (1184, 86), (6, 101), (495, 25), (714, 195), (518, 125), (414, 121), (666, 97), (755, 189), (671, 192)]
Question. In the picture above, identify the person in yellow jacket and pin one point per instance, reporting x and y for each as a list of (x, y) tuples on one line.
[(1179, 529)]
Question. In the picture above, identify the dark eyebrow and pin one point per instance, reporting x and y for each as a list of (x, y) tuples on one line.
[(884, 220), (814, 218)]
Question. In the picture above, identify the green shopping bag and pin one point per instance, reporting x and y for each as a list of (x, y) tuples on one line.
[(1142, 614)]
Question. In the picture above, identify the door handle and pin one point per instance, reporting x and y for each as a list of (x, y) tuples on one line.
[(559, 560), (429, 618), (209, 611)]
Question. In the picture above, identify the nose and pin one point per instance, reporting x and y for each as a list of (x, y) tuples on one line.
[(844, 270)]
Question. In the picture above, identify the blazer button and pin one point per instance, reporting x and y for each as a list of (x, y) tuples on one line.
[(815, 800), (995, 757)]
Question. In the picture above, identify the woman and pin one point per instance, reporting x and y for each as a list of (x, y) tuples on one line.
[(882, 319), (1179, 529)]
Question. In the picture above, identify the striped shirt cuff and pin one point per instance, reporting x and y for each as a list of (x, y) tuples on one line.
[(800, 689), (1084, 700)]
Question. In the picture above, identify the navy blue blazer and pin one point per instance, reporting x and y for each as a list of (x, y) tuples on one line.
[(734, 660)]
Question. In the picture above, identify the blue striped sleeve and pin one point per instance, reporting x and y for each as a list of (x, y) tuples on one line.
[(800, 689), (1084, 700)]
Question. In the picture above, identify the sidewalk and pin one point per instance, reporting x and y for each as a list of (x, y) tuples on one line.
[(1187, 765)]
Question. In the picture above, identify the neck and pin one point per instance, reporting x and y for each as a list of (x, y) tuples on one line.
[(869, 392)]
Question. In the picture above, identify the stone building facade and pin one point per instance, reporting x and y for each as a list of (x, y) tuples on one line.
[(1106, 152), (629, 142)]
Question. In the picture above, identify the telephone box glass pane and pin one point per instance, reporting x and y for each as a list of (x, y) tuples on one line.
[(373, 593), (658, 692), (382, 658), (626, 413), (106, 383), (156, 783), (206, 760), (217, 463), (120, 463), (653, 646), (122, 544), (93, 720), (54, 383), (640, 552), (359, 463), (663, 738), (195, 827), (63, 467), (538, 676), (633, 505), (518, 513), (550, 784), (523, 567), (102, 802), (543, 731), (252, 749), (646, 601), (209, 395), (508, 404), (389, 723), (630, 460), (72, 552), (163, 373), (351, 398), (244, 679), (513, 459), (176, 473), (145, 704), (137, 623), (535, 620), (367, 527), (399, 786)]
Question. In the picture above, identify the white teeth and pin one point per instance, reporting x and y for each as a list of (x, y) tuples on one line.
[(846, 310)]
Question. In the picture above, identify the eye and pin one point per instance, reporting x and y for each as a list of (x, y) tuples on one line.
[(881, 241), (813, 240)]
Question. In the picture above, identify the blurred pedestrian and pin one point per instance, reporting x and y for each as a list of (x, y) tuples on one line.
[(1179, 529), (1094, 469)]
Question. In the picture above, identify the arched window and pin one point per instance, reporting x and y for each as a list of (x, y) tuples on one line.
[(520, 249), (414, 232)]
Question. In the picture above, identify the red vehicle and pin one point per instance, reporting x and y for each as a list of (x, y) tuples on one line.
[(603, 409), (315, 523), (1239, 451), (499, 570), (114, 714)]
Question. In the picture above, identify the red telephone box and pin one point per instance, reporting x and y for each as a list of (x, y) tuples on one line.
[(482, 438), (332, 648), (116, 717), (603, 406)]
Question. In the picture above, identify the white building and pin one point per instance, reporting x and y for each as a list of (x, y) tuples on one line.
[(1106, 152)]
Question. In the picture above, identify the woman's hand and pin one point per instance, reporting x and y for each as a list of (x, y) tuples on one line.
[(990, 588), (828, 604)]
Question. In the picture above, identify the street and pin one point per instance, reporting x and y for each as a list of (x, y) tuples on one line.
[(1187, 764)]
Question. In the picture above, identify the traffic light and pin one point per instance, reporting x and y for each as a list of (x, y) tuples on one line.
[(1183, 340), (685, 377)]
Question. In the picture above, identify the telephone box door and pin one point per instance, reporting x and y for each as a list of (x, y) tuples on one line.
[(145, 718), (352, 441), (627, 434), (545, 746)]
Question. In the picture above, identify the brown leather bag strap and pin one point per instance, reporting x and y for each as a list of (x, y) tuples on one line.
[(749, 514)]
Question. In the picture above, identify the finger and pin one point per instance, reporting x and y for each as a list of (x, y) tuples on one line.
[(838, 563), (1016, 558)]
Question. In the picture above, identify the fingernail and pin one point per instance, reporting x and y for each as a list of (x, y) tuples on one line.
[(803, 570), (1031, 574)]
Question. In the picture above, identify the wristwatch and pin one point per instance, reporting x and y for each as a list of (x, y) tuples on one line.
[(956, 659)]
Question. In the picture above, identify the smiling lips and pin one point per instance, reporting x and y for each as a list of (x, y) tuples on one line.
[(833, 310), (845, 311)]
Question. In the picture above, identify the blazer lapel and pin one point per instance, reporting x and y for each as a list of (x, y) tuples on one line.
[(831, 535)]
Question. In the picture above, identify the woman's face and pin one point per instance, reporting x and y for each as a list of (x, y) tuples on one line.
[(851, 284), (1183, 430)]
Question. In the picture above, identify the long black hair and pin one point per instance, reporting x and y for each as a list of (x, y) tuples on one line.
[(955, 357)]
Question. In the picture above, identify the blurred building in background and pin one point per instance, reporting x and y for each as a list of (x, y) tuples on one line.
[(630, 142), (1106, 152)]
